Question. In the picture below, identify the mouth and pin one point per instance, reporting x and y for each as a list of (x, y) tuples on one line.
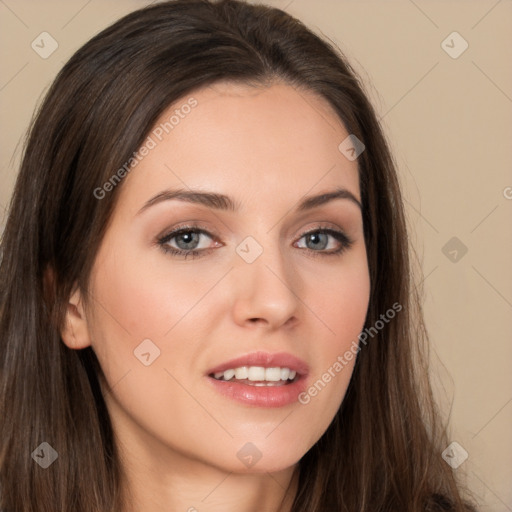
[(261, 379)]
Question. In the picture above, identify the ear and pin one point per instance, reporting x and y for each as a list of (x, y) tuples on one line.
[(75, 332)]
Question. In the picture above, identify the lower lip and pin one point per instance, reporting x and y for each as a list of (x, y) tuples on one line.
[(260, 396)]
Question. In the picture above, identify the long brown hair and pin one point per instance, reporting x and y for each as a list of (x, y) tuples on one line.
[(382, 452)]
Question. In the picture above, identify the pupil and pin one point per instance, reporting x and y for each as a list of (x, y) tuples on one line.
[(315, 238), (189, 238)]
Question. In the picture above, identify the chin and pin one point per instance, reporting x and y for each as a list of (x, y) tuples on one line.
[(266, 457)]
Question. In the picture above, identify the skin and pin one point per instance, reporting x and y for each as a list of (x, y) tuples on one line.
[(267, 148)]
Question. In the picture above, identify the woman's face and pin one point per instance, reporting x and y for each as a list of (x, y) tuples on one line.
[(244, 277)]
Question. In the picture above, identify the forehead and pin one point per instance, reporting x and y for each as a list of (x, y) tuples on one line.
[(239, 138)]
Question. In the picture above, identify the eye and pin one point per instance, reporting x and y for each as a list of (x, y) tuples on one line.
[(187, 239), (317, 241)]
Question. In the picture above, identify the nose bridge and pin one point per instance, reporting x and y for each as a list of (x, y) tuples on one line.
[(267, 287)]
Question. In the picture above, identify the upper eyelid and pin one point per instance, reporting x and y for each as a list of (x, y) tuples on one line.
[(184, 229)]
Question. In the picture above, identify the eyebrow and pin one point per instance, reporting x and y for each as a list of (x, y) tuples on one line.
[(223, 202)]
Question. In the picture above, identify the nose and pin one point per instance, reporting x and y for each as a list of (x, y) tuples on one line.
[(266, 291)]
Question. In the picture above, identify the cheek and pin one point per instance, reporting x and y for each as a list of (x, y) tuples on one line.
[(342, 302), (141, 310), (142, 300), (133, 302), (342, 309)]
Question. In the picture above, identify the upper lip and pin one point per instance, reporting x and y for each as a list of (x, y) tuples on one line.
[(266, 360)]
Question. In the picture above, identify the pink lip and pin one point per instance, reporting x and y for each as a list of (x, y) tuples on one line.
[(266, 360), (262, 396)]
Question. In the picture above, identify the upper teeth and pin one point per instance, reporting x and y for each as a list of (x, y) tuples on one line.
[(257, 373)]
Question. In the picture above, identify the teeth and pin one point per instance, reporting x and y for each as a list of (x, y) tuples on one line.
[(257, 374), (229, 374), (242, 373), (273, 374)]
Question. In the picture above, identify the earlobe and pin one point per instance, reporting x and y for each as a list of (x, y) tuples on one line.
[(75, 332)]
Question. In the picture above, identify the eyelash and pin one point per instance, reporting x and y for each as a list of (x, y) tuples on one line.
[(162, 242)]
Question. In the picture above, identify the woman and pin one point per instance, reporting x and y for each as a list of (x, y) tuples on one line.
[(206, 294)]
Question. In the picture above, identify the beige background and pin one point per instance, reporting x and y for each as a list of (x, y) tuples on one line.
[(450, 124)]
